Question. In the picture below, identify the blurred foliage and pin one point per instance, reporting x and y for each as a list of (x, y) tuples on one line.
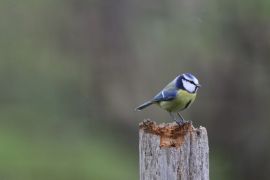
[(38, 158), (71, 73)]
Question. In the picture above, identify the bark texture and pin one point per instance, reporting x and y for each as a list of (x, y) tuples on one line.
[(172, 152)]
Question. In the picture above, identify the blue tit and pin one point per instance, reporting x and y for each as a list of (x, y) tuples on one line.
[(176, 96)]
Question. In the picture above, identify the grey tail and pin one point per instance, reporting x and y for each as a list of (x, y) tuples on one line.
[(144, 105)]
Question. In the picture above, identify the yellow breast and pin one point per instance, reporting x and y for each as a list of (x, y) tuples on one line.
[(182, 101)]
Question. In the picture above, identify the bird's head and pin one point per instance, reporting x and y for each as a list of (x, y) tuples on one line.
[(187, 82)]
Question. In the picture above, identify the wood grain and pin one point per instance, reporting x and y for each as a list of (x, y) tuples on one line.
[(172, 152)]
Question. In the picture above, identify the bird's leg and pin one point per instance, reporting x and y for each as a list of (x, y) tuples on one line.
[(176, 119), (180, 121)]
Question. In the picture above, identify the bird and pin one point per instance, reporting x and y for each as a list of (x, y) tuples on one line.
[(177, 96)]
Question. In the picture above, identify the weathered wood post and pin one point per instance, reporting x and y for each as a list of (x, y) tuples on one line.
[(171, 152)]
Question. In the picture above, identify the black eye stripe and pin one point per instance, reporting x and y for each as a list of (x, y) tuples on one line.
[(190, 82)]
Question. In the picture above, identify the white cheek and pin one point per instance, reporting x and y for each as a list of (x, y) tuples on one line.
[(189, 86)]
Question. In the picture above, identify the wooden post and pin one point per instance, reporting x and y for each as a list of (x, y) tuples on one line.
[(172, 152)]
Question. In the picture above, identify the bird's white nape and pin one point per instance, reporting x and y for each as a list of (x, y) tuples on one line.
[(188, 86)]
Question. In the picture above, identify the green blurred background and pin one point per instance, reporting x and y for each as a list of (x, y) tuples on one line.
[(72, 71)]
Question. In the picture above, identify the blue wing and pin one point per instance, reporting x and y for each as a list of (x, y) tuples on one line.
[(166, 95)]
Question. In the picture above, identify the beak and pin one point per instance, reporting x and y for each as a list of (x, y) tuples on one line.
[(199, 85)]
